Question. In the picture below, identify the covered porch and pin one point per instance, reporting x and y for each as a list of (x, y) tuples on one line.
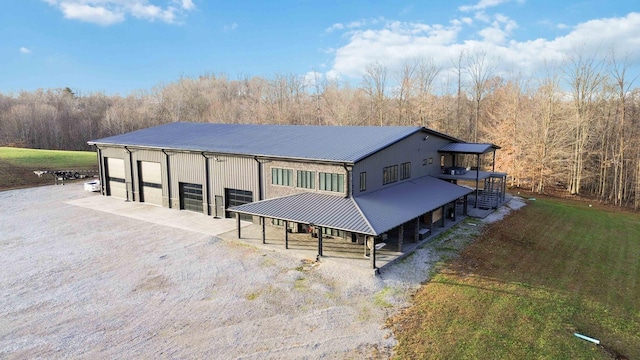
[(489, 186), (375, 228)]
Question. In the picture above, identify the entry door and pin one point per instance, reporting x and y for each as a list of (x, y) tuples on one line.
[(219, 204)]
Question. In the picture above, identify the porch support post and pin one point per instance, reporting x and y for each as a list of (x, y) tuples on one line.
[(400, 237), (431, 222), (477, 178), (494, 162), (286, 234), (444, 215), (264, 230), (373, 252), (366, 243), (319, 242), (416, 232), (454, 209), (238, 224), (465, 206)]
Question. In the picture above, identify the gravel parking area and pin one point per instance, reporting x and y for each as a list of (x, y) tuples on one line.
[(82, 283)]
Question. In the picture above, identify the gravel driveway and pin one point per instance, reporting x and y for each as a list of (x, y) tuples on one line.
[(81, 283)]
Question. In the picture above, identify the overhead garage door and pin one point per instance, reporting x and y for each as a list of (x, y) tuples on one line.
[(191, 197), (150, 174), (115, 178), (237, 197)]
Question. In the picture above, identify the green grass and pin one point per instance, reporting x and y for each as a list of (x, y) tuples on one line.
[(17, 165), (48, 158), (527, 284)]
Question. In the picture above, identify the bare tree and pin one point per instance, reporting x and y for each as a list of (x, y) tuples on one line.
[(375, 83), (480, 69), (584, 78)]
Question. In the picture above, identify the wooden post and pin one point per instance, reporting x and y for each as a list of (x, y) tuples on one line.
[(264, 230), (431, 222), (400, 237), (319, 241), (238, 224), (416, 234), (286, 234)]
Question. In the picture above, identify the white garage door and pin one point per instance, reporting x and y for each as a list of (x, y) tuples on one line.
[(150, 182), (116, 178)]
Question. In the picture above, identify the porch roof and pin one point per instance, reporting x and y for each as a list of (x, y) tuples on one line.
[(372, 213), (468, 148)]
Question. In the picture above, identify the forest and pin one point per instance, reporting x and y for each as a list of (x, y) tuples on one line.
[(572, 128)]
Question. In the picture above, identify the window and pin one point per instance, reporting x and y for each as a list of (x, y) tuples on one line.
[(389, 174), (281, 176), (405, 170), (363, 181), (306, 179), (332, 182)]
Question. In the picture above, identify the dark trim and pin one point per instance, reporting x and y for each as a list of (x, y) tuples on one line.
[(207, 188), (168, 176), (133, 193)]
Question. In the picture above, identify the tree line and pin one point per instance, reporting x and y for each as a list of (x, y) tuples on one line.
[(573, 127)]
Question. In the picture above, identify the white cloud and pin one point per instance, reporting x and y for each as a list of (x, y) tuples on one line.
[(482, 5), (351, 25), (188, 5), (499, 30), (397, 41), (108, 12), (93, 14), (231, 27), (25, 50)]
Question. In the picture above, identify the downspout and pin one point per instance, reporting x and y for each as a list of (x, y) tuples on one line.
[(206, 184), (133, 196), (101, 173), (260, 186), (349, 180), (166, 157)]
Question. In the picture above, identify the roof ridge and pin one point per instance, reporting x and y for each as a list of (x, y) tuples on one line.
[(353, 199)]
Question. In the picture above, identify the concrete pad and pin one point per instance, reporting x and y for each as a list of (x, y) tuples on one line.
[(186, 220)]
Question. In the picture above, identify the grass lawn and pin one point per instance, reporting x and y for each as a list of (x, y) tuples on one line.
[(527, 284), (17, 165)]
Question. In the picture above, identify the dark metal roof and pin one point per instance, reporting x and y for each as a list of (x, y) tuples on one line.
[(330, 143), (395, 205), (468, 148), (311, 208), (373, 213)]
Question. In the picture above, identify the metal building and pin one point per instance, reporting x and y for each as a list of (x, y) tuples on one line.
[(356, 182)]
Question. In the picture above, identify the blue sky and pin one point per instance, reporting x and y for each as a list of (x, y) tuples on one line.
[(119, 46)]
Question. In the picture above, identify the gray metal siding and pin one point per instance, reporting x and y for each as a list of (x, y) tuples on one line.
[(414, 149), (186, 168), (233, 172)]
